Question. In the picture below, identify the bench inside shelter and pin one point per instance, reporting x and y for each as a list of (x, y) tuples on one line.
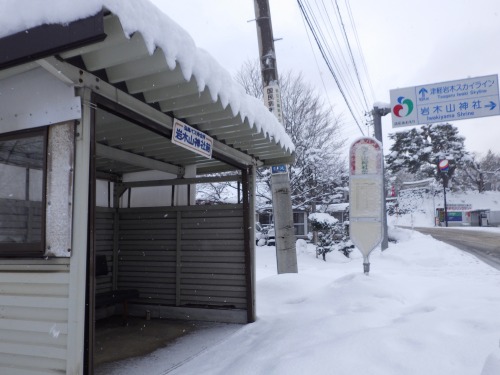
[(111, 298)]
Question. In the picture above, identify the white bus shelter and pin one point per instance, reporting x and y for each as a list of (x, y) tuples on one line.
[(88, 97)]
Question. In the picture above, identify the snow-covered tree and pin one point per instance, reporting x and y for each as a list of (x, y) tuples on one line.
[(471, 175), (319, 167), (481, 173), (217, 192), (418, 150), (490, 165)]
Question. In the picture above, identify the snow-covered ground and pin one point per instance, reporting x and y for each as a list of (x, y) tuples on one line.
[(425, 308)]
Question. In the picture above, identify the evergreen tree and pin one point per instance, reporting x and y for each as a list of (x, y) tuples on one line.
[(418, 151)]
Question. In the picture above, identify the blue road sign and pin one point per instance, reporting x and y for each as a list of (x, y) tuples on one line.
[(445, 101), (276, 169)]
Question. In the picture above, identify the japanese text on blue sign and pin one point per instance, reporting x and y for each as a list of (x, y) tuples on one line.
[(453, 100), (192, 139), (277, 169)]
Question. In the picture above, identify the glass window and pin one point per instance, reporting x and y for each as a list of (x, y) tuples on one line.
[(298, 217), (22, 181), (265, 218), (298, 223)]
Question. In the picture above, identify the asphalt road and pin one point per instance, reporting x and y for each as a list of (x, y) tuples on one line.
[(483, 244)]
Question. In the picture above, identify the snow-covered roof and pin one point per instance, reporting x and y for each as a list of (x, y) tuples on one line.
[(337, 207), (147, 54)]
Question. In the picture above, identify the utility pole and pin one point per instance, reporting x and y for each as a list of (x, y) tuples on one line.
[(286, 253), (377, 125)]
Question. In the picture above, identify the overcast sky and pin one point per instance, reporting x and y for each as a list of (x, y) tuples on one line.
[(405, 43)]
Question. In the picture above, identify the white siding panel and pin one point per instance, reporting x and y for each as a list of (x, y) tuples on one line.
[(22, 314), (33, 326), (34, 277), (34, 301), (19, 289), (51, 336), (43, 301), (27, 371), (30, 350)]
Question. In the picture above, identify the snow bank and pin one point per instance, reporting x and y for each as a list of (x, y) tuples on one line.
[(492, 364)]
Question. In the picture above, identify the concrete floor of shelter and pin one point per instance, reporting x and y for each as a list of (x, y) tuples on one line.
[(115, 341)]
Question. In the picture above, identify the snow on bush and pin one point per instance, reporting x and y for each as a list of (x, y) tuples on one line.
[(322, 221)]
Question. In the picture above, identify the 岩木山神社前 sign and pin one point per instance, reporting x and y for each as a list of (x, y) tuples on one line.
[(192, 139)]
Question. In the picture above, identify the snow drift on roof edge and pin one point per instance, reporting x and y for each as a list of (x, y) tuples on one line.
[(158, 30)]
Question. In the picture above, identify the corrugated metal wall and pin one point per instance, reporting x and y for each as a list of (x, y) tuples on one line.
[(33, 316), (147, 253), (104, 240), (213, 258), (184, 256)]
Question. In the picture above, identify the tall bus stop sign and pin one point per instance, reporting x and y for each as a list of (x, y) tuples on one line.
[(366, 185), (445, 101)]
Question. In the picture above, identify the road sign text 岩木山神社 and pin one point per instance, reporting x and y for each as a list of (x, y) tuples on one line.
[(445, 101)]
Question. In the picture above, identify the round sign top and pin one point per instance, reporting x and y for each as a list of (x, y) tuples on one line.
[(365, 156), (443, 164)]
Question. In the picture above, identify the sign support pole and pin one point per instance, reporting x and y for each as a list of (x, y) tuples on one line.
[(445, 208), (377, 125), (366, 265), (443, 167)]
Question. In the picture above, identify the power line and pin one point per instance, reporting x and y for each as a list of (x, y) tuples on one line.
[(351, 54), (317, 66), (327, 61), (337, 59), (340, 64), (363, 61), (338, 52)]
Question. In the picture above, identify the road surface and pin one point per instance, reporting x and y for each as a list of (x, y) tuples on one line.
[(483, 244)]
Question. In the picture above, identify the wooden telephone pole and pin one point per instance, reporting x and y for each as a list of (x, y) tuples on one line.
[(286, 253)]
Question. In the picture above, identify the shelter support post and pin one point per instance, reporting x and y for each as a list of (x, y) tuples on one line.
[(178, 257), (80, 328), (248, 187)]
